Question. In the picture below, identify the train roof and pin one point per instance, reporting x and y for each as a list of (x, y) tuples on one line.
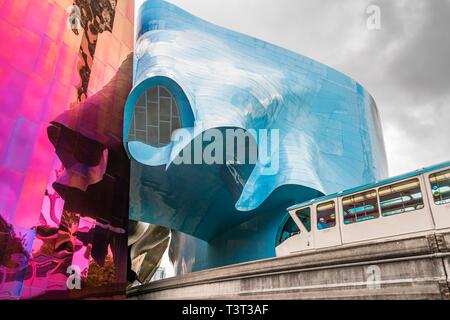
[(370, 185)]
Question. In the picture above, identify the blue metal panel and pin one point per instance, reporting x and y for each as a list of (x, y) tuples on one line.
[(329, 129)]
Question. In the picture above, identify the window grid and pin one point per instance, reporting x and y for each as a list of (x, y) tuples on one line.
[(154, 132)]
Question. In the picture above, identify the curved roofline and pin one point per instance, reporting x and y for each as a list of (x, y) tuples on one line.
[(370, 185), (240, 37)]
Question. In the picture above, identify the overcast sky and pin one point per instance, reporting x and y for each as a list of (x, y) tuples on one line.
[(405, 65)]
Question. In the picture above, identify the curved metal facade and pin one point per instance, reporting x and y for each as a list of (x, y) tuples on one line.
[(60, 146), (329, 132)]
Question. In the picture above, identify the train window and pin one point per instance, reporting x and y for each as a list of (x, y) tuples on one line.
[(304, 215), (440, 186), (326, 215), (360, 207), (290, 229), (401, 197)]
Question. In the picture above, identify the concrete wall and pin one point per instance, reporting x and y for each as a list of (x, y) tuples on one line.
[(412, 268)]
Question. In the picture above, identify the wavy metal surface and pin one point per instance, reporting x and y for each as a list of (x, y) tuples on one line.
[(62, 207), (329, 130)]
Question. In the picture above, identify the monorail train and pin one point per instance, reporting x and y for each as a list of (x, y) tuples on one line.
[(414, 203)]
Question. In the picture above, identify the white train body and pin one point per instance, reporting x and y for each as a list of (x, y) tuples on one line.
[(415, 203)]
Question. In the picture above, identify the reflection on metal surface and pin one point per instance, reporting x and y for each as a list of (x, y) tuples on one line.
[(65, 197), (147, 246), (156, 117)]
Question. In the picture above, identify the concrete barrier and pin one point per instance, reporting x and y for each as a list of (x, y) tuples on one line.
[(413, 268)]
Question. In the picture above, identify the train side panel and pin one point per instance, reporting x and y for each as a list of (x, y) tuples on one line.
[(388, 218)]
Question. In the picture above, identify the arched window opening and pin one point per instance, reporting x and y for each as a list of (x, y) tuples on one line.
[(155, 118)]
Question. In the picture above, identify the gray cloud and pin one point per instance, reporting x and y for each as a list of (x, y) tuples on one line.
[(422, 64), (405, 65)]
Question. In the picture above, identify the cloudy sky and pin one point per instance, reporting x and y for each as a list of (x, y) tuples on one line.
[(405, 65)]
